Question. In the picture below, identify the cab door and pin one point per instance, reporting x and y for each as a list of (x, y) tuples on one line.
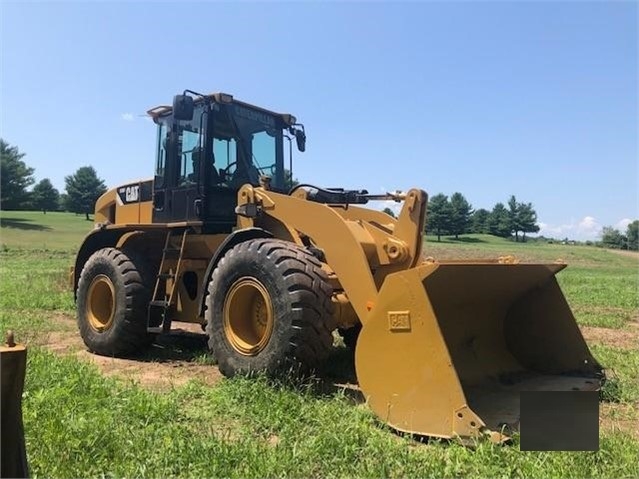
[(177, 187), (185, 196)]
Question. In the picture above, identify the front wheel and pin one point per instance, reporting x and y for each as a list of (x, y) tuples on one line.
[(268, 309), (112, 299)]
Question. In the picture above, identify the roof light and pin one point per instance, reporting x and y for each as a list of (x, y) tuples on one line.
[(289, 119)]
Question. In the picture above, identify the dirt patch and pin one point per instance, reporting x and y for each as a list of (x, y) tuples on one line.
[(171, 361), (154, 375), (631, 254), (627, 338)]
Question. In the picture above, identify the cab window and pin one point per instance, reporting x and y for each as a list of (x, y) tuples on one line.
[(190, 146), (160, 166)]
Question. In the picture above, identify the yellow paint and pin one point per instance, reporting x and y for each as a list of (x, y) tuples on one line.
[(248, 316), (100, 304)]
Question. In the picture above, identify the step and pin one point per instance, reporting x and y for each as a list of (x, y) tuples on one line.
[(172, 253), (159, 303)]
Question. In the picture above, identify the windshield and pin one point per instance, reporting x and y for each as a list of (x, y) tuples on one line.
[(247, 144)]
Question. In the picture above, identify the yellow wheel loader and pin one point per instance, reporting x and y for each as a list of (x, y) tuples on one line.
[(221, 237)]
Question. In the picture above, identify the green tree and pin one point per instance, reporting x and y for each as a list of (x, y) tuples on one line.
[(83, 189), (480, 221), (461, 212), (389, 212), (612, 238), (15, 177), (527, 219), (513, 216), (632, 234), (500, 223), (438, 215), (45, 197), (63, 201)]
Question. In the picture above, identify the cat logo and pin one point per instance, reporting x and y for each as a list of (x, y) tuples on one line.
[(135, 193), (132, 193)]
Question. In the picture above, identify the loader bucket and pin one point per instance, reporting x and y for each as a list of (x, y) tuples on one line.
[(448, 347)]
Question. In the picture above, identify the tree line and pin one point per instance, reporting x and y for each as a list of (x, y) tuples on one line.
[(82, 188), (615, 239), (456, 216)]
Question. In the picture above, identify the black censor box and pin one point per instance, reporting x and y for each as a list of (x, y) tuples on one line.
[(559, 421)]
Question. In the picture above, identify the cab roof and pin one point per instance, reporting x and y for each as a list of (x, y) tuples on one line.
[(223, 98)]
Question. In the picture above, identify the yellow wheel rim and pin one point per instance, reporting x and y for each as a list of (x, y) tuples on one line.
[(100, 307), (248, 316)]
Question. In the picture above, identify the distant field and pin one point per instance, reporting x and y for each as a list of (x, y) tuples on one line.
[(34, 230), (168, 413)]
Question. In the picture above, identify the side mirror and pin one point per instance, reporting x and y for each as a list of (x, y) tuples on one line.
[(183, 107), (300, 139)]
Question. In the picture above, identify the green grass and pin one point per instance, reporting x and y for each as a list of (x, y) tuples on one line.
[(623, 373), (35, 280), (34, 230), (79, 423)]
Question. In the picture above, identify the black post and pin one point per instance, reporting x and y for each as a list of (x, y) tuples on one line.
[(13, 366)]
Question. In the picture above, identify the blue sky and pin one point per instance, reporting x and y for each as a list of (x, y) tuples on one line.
[(536, 99)]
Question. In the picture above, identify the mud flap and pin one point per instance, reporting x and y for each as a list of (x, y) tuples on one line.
[(447, 348)]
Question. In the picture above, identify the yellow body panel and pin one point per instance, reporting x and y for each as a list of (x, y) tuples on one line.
[(110, 209)]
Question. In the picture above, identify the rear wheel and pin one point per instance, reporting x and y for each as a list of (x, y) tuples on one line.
[(268, 309), (112, 300)]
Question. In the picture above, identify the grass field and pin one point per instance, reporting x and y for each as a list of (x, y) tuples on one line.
[(87, 418)]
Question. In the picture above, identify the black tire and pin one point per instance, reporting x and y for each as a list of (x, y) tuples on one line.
[(350, 336), (112, 322), (302, 311)]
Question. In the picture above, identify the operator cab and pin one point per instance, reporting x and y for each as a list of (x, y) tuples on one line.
[(207, 148)]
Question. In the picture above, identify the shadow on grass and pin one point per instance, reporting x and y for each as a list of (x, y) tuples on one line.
[(22, 224), (336, 376), (177, 346), (464, 239)]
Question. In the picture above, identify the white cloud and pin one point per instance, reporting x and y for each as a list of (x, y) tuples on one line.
[(622, 225), (127, 116), (394, 206), (588, 228)]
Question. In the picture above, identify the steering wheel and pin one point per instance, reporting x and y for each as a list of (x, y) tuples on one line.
[(225, 174), (270, 168), (228, 167), (236, 177)]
